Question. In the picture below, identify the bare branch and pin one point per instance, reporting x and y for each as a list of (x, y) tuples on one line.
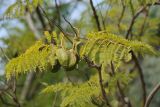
[(58, 12), (58, 26), (71, 26), (122, 14), (136, 15), (151, 95), (144, 22), (141, 76), (95, 15), (133, 21)]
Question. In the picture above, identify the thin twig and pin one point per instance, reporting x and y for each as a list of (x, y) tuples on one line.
[(102, 87), (136, 15), (141, 76), (144, 22), (58, 12), (133, 21), (95, 15), (4, 54), (98, 67), (40, 17), (129, 31), (122, 14), (122, 95), (58, 26), (151, 95), (71, 26), (102, 18)]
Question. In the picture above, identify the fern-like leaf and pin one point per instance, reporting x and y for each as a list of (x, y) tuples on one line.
[(103, 47)]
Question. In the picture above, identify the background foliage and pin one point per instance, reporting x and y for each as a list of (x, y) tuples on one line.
[(24, 40)]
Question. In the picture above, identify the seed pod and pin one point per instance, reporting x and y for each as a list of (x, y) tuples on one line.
[(56, 67), (62, 56), (73, 60)]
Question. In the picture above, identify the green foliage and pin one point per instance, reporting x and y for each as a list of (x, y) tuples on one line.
[(76, 95), (19, 7), (103, 47), (82, 94), (17, 44), (127, 2), (37, 57)]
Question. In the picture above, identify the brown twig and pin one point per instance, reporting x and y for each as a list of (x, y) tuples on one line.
[(129, 31), (102, 87), (58, 12), (71, 26), (151, 95), (98, 67), (58, 26), (122, 14), (141, 76), (136, 15), (95, 15), (144, 22), (133, 21), (102, 18), (122, 95), (40, 17)]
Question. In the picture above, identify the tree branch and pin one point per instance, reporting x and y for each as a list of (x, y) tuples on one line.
[(151, 95), (129, 31), (58, 26), (136, 15), (95, 15), (133, 21), (141, 76), (122, 14), (98, 67), (122, 95)]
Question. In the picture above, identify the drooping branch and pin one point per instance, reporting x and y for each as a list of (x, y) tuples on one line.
[(151, 95), (141, 75)]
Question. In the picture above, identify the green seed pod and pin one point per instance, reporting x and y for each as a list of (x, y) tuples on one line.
[(53, 66), (56, 67), (73, 60), (62, 56)]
